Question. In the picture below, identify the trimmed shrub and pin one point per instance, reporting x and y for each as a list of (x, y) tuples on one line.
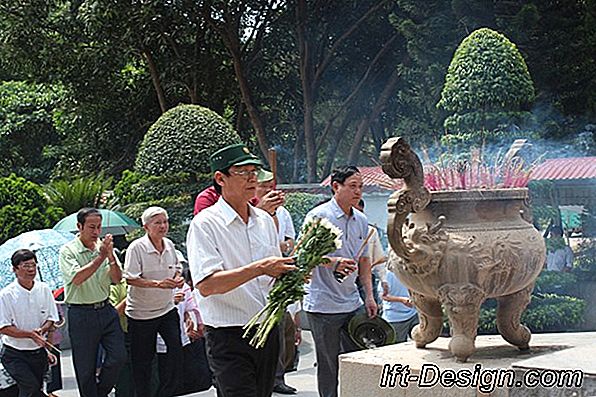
[(182, 140), (486, 85), (23, 207)]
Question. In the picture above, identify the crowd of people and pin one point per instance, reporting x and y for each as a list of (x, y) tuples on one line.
[(157, 325)]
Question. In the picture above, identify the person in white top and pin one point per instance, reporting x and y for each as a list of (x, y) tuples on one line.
[(27, 313), (152, 272), (272, 200), (560, 256), (233, 254), (378, 261)]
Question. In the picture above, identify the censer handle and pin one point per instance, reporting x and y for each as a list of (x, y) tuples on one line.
[(399, 161)]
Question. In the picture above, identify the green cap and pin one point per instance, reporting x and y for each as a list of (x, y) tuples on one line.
[(237, 154), (264, 176)]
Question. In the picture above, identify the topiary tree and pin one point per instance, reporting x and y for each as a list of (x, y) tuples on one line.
[(487, 85), (24, 207), (182, 140)]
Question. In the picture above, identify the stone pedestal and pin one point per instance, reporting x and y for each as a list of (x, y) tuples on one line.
[(378, 372)]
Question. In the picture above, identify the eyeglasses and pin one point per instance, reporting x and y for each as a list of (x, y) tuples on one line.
[(246, 174), (28, 265)]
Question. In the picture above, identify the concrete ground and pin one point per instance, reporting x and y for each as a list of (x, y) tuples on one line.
[(304, 379)]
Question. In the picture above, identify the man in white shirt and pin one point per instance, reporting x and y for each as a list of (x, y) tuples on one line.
[(152, 272), (233, 254), (272, 201), (27, 313)]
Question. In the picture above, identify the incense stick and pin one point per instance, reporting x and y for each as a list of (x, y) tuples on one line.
[(370, 233), (48, 344)]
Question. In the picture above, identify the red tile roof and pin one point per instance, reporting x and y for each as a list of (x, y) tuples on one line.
[(373, 177), (562, 168), (566, 168)]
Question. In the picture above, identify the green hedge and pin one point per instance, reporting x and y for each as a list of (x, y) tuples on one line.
[(182, 140), (298, 205), (135, 187), (24, 207), (545, 313), (180, 211), (552, 307)]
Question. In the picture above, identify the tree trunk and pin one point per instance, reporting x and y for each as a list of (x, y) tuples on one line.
[(364, 125), (248, 99), (308, 80), (155, 79), (332, 148)]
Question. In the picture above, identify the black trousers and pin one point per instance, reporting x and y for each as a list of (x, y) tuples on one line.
[(240, 370), (88, 328), (27, 368), (143, 335)]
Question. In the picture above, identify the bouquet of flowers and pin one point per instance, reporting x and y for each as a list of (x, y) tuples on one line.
[(318, 238)]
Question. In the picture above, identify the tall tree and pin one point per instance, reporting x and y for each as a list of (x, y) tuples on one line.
[(325, 32)]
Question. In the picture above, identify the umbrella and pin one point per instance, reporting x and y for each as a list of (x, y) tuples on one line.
[(112, 222), (46, 244)]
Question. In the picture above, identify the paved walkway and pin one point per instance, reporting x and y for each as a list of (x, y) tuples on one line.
[(304, 379)]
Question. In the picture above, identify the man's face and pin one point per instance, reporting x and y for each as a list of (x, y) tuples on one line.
[(349, 192), (264, 187), (241, 183), (91, 229), (157, 227), (26, 270)]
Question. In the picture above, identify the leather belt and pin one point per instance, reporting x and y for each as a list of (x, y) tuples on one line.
[(94, 306)]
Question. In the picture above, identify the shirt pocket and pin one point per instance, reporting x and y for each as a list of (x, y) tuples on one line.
[(262, 248)]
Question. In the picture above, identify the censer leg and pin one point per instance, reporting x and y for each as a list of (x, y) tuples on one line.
[(462, 304), (463, 333), (509, 311), (431, 319)]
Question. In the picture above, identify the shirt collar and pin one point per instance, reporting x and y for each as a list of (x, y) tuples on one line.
[(336, 209), (149, 247), (81, 247), (229, 214)]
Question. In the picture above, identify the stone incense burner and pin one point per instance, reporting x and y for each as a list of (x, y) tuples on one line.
[(458, 248)]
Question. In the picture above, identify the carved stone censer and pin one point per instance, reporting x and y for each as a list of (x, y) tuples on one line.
[(458, 248)]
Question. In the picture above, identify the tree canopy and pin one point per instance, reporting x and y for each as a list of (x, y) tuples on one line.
[(324, 81)]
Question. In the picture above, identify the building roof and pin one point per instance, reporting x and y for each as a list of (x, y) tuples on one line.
[(566, 169), (374, 179)]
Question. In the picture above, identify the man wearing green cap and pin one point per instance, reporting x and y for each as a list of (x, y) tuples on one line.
[(233, 254)]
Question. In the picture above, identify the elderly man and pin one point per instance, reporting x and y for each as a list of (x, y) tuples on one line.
[(153, 272), (333, 299), (233, 253), (88, 269), (27, 313)]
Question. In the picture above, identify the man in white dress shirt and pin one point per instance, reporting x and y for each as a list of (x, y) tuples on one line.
[(233, 254), (27, 313)]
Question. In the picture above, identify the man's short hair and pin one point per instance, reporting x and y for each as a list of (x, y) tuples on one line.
[(21, 256), (340, 174), (86, 212)]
